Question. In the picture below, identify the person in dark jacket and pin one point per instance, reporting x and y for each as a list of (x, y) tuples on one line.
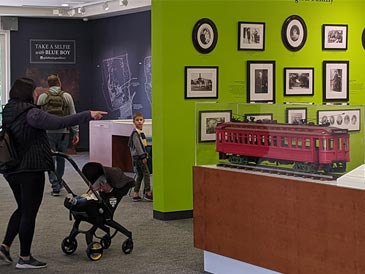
[(28, 125)]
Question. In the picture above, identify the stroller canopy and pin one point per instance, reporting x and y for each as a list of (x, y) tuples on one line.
[(114, 175)]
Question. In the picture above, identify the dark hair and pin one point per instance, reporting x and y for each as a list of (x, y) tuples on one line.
[(137, 114), (22, 90)]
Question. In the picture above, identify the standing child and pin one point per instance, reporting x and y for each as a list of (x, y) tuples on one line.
[(137, 144)]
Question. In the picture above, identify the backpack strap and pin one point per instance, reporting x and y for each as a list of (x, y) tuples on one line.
[(18, 115)]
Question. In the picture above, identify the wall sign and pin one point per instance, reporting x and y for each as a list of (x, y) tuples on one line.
[(52, 51)]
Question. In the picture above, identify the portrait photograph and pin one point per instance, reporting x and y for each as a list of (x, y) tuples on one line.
[(335, 81), (201, 82), (334, 37), (260, 81), (205, 35), (251, 36), (258, 117), (208, 121), (345, 119), (294, 33), (296, 116), (298, 81)]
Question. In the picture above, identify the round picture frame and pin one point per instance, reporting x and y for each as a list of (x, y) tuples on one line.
[(205, 35), (363, 38), (294, 33)]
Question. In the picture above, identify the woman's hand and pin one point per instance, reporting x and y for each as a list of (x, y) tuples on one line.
[(97, 115)]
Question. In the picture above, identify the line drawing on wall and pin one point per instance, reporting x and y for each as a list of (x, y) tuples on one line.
[(148, 77)]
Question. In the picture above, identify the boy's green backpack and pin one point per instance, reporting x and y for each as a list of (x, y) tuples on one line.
[(56, 104)]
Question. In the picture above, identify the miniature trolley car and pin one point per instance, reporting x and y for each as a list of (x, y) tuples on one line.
[(307, 148)]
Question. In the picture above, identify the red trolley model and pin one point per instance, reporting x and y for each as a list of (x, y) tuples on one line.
[(308, 148)]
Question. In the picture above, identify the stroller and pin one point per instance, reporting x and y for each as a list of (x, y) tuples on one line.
[(98, 211)]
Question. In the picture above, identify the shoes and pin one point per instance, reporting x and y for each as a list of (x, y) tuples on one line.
[(31, 263), (137, 199), (148, 197), (4, 255), (55, 193)]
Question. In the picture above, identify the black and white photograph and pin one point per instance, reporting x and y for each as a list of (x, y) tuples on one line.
[(335, 81), (258, 117), (205, 35), (334, 37), (345, 118), (363, 38), (260, 81), (201, 82), (251, 36), (208, 121), (298, 81), (294, 33), (296, 116)]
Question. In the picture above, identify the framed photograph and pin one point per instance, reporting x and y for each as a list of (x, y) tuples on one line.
[(208, 120), (255, 117), (334, 37), (205, 35), (261, 81), (251, 36), (297, 116), (363, 38), (335, 81), (298, 81), (201, 82), (345, 118), (294, 33)]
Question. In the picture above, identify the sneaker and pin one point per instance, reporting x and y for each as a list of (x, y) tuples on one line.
[(31, 263), (4, 255), (55, 193), (148, 197), (137, 199)]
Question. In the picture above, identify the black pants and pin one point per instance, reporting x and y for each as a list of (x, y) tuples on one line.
[(28, 192)]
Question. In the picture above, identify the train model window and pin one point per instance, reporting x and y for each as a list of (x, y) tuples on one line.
[(275, 141), (316, 143), (245, 139), (300, 142), (331, 144), (307, 143), (240, 138), (293, 141), (340, 144), (324, 144), (284, 141), (262, 140)]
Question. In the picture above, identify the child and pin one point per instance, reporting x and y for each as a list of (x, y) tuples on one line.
[(137, 144)]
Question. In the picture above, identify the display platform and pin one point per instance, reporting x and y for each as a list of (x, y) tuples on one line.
[(353, 179)]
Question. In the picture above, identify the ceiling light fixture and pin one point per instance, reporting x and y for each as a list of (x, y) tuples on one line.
[(81, 10), (71, 12), (123, 2), (105, 6)]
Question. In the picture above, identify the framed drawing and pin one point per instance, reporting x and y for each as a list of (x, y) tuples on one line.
[(298, 81), (255, 117), (345, 118), (201, 82), (261, 81), (363, 38), (205, 35), (208, 120), (251, 36), (335, 81), (334, 37), (296, 116), (294, 33)]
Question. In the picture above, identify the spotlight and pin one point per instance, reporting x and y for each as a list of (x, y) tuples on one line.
[(81, 10), (105, 6), (123, 2), (71, 12)]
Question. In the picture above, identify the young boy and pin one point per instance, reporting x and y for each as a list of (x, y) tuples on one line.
[(137, 144)]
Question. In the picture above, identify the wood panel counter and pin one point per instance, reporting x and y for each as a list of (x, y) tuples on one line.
[(286, 225)]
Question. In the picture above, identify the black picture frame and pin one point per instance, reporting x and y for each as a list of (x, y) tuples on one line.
[(334, 37), (296, 116), (335, 81), (261, 81), (257, 117), (205, 35), (298, 81), (294, 33), (342, 118), (363, 38), (208, 120), (201, 82), (251, 36)]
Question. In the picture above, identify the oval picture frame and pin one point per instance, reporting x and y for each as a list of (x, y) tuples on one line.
[(363, 38), (294, 33), (205, 35)]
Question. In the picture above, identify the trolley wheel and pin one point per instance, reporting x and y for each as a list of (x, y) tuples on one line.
[(106, 241), (69, 245), (127, 246), (94, 251)]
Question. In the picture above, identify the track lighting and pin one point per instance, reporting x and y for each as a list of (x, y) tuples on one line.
[(106, 6), (81, 10)]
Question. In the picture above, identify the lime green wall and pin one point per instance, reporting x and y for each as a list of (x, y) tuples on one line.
[(174, 118)]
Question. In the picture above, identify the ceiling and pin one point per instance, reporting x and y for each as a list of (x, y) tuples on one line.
[(84, 9)]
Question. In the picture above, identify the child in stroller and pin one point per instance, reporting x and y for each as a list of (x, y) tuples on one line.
[(107, 186)]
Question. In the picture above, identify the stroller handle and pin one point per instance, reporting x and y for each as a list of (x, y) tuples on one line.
[(75, 166)]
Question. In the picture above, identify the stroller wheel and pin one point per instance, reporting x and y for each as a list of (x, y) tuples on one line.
[(127, 246), (94, 251), (69, 245), (106, 241)]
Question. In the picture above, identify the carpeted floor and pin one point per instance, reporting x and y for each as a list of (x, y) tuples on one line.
[(160, 247)]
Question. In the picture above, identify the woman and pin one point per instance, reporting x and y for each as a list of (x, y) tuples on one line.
[(28, 125)]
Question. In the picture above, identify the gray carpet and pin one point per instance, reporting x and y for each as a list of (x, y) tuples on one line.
[(159, 246)]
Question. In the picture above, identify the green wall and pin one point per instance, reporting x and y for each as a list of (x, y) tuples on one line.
[(175, 118)]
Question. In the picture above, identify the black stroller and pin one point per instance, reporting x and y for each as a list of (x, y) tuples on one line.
[(98, 212)]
